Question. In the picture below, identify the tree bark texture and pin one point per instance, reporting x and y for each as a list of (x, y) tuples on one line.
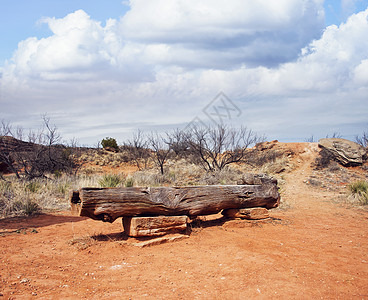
[(108, 204)]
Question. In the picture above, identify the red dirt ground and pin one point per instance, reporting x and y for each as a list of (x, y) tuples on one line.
[(313, 248)]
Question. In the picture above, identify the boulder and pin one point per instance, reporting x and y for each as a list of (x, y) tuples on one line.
[(111, 149), (344, 151), (266, 145), (154, 226)]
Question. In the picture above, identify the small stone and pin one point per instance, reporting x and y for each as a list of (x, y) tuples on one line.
[(25, 280), (161, 240)]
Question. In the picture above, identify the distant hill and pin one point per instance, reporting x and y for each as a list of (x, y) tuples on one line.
[(11, 144)]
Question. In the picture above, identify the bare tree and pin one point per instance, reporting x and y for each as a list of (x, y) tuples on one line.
[(161, 150), (218, 146), (310, 139), (137, 149), (39, 155), (73, 153), (335, 135), (363, 139), (6, 154), (178, 142)]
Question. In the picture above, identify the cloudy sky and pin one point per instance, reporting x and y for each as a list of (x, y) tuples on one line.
[(288, 69)]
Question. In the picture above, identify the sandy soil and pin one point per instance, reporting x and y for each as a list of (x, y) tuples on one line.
[(312, 248)]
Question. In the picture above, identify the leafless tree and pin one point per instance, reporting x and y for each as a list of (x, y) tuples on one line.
[(218, 146), (72, 153), (6, 154), (363, 139), (161, 150), (310, 139), (137, 149), (42, 152), (178, 142)]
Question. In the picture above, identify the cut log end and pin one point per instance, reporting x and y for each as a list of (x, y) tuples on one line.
[(75, 203), (74, 197)]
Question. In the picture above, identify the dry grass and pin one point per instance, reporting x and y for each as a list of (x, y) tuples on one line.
[(359, 192), (19, 197)]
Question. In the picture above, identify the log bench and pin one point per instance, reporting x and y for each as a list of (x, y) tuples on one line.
[(108, 204)]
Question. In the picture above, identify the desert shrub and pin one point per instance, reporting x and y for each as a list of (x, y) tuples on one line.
[(129, 182), (25, 206), (335, 135), (58, 173), (362, 140), (257, 158), (33, 186), (63, 188), (136, 150), (314, 182), (109, 142), (226, 176), (365, 167), (40, 154), (323, 160), (310, 139), (359, 189), (110, 180), (15, 200), (20, 197), (334, 167), (147, 178), (359, 186), (216, 147)]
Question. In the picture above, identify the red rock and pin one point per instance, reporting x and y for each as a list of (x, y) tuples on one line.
[(254, 213), (154, 226)]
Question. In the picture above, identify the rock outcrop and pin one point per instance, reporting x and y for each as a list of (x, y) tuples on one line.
[(345, 152)]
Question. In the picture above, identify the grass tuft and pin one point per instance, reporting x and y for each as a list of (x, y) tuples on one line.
[(129, 182), (359, 189), (33, 186), (110, 180)]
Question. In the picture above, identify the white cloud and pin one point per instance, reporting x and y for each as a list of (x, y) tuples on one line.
[(79, 49), (225, 33), (165, 60)]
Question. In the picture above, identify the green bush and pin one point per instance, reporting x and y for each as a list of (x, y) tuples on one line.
[(110, 180), (109, 142), (360, 189)]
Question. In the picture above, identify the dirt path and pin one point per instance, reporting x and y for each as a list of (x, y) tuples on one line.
[(315, 249)]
